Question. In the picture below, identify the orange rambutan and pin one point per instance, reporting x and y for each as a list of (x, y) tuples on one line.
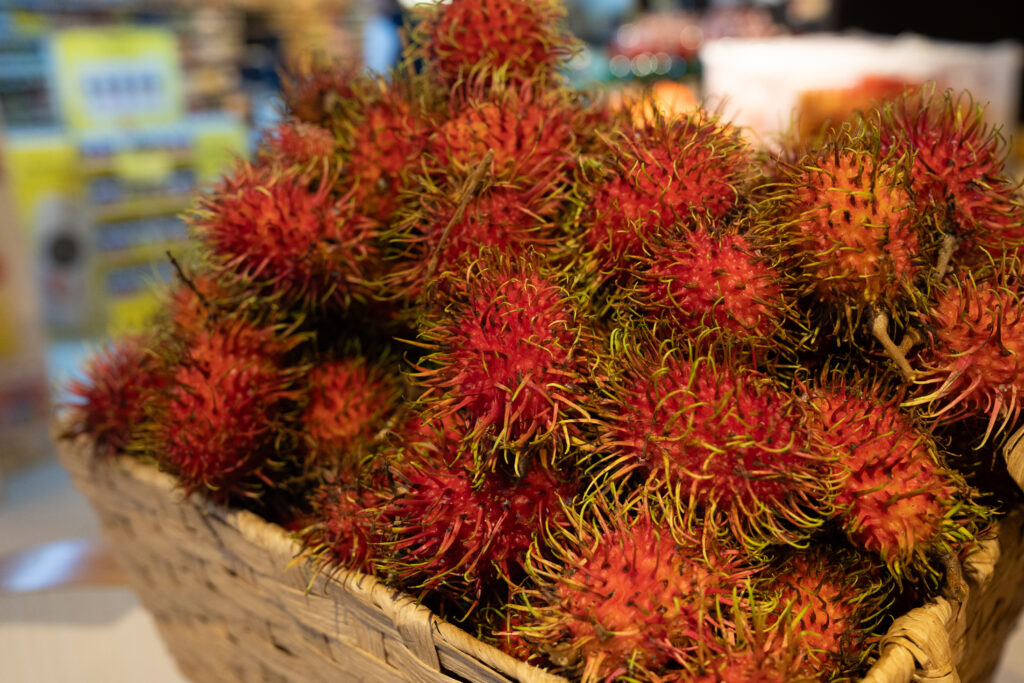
[(845, 223), (623, 591), (971, 362), (893, 497)]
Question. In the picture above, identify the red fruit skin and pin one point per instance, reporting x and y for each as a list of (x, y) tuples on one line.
[(971, 364), (853, 232), (825, 609), (626, 597), (453, 536), (217, 428), (298, 143), (732, 441), (317, 93), (959, 168), (530, 135), (670, 173), (892, 500), (110, 400), (266, 226), (701, 280), (508, 351), (387, 146), (522, 40), (345, 532), (349, 402), (503, 219)]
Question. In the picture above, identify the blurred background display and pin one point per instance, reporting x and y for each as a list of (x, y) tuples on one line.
[(114, 113)]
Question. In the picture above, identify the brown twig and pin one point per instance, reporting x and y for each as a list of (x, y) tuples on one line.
[(880, 329), (466, 193), (956, 584), (945, 256)]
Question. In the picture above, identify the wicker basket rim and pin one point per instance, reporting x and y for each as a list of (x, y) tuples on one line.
[(925, 638)]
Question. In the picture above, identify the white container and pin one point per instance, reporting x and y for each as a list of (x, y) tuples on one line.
[(757, 83)]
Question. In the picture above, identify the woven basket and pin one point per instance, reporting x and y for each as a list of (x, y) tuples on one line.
[(233, 603)]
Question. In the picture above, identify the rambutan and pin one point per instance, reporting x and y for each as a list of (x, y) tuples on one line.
[(349, 401), (957, 173), (465, 538), (893, 497), (321, 94), (701, 279), (667, 175), (508, 353), (971, 363), (522, 40), (217, 427), (826, 606), (728, 441), (623, 591), (343, 531), (846, 222), (445, 234), (109, 401), (529, 135), (267, 227), (384, 143), (297, 143)]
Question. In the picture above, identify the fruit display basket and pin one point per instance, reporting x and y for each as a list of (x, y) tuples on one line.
[(234, 599)]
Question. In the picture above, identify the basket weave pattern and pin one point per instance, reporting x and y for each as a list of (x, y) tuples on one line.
[(233, 603)]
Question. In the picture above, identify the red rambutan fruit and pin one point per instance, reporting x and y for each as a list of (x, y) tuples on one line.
[(321, 94), (669, 173), (297, 143), (509, 352), (523, 40), (529, 136), (109, 401), (386, 141), (216, 430), (827, 606), (700, 279), (846, 222), (445, 235), (971, 363), (454, 534), (343, 530), (893, 497), (958, 171), (622, 592), (267, 226), (729, 442), (349, 401)]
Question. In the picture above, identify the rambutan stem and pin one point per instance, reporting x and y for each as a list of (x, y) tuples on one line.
[(945, 256), (187, 280), (466, 193), (880, 329), (956, 584)]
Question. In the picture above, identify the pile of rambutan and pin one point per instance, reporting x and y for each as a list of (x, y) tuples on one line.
[(630, 399)]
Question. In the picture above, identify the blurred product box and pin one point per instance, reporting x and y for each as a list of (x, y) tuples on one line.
[(24, 407), (760, 83)]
